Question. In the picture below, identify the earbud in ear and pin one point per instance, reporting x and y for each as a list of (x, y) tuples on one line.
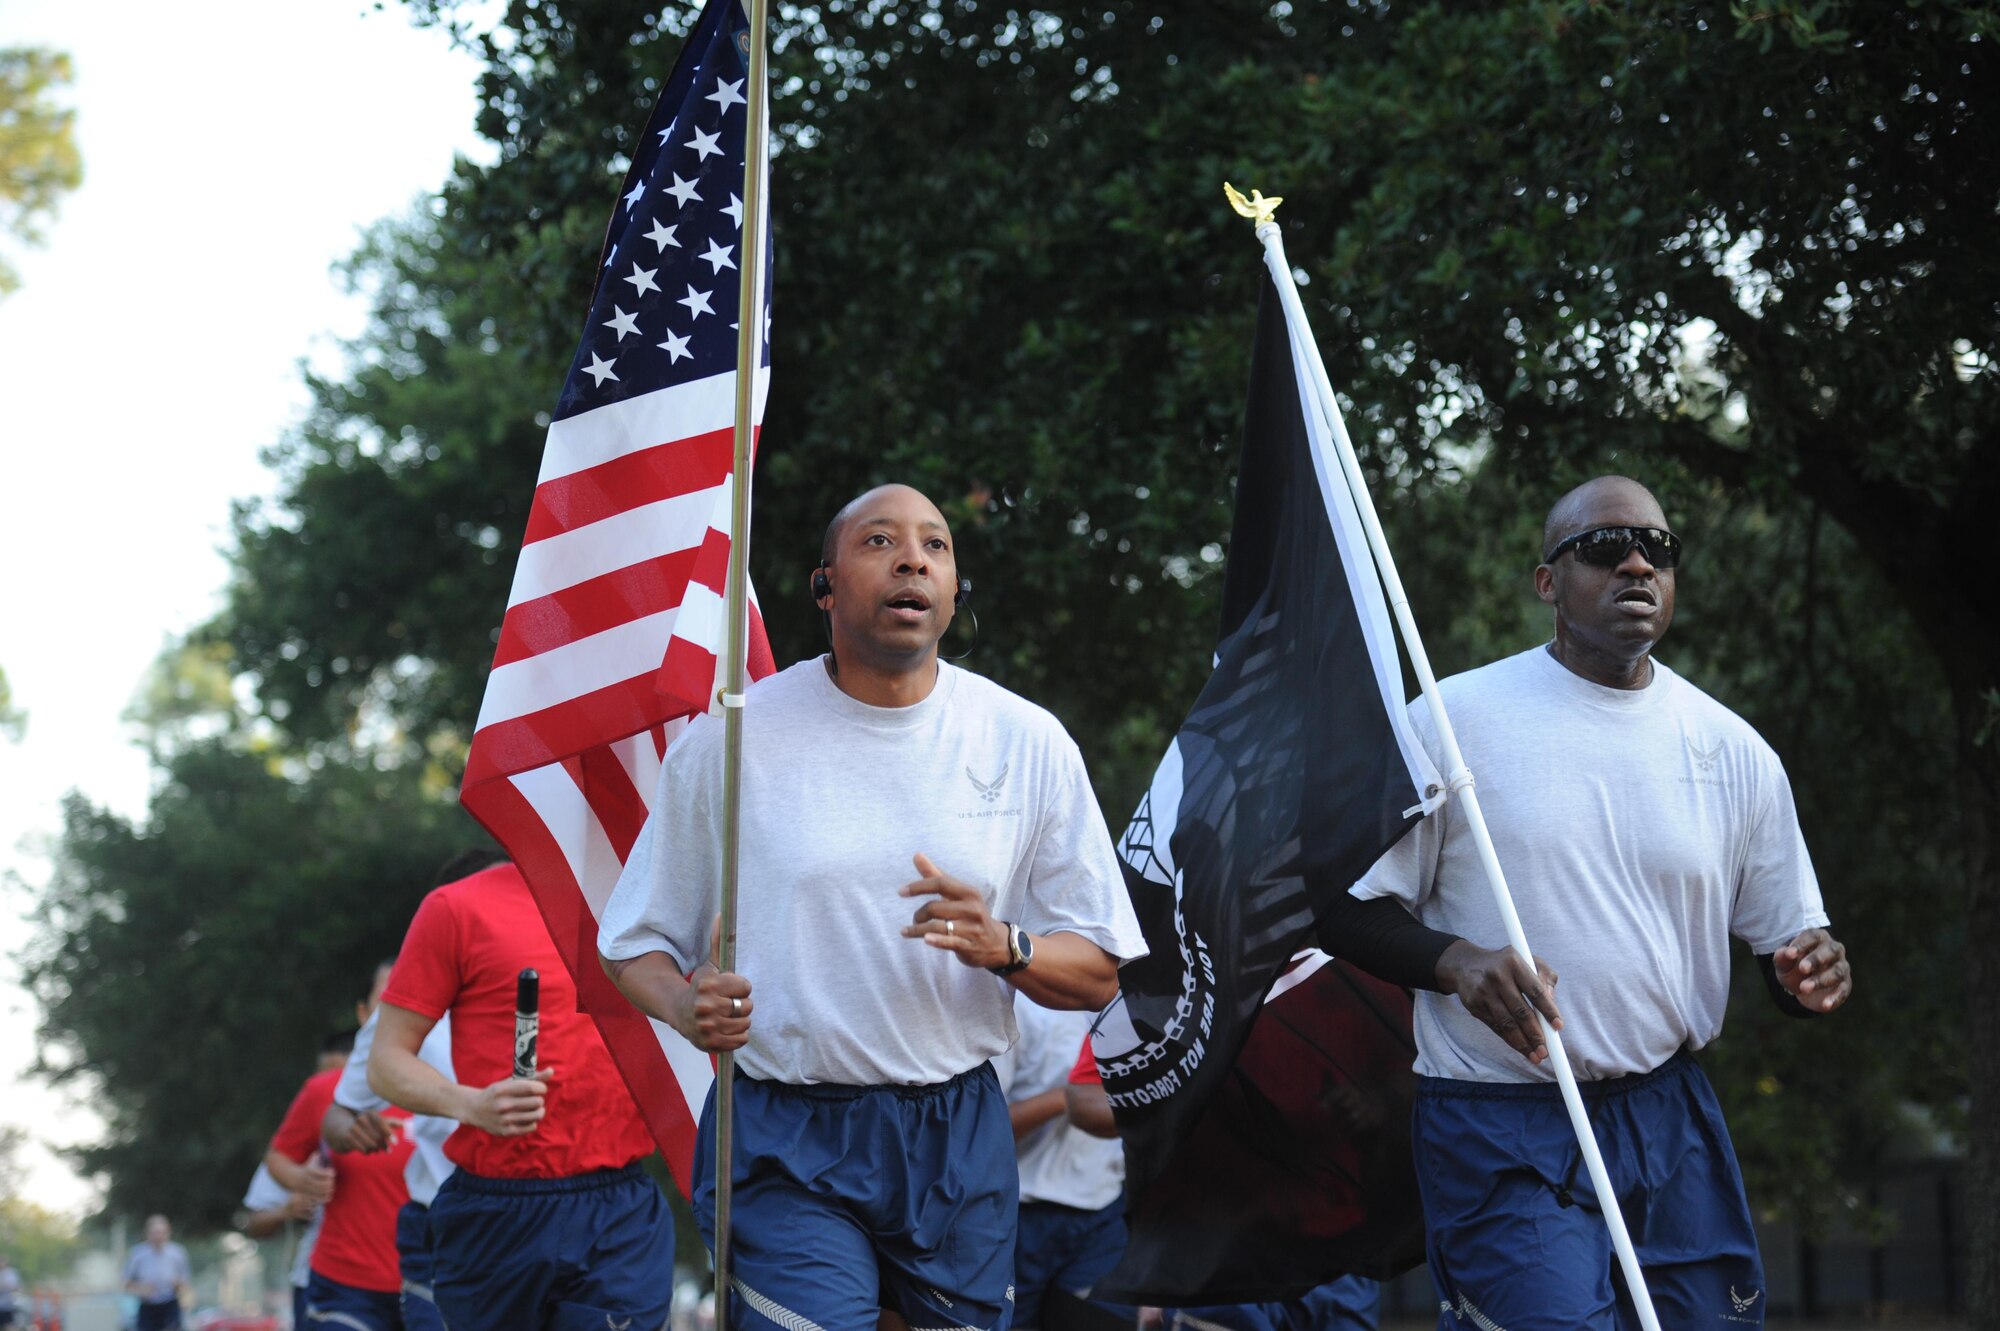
[(964, 592), (822, 586)]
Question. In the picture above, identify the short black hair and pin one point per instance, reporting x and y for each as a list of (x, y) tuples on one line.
[(467, 862)]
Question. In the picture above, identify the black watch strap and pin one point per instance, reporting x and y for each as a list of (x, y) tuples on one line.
[(1020, 951)]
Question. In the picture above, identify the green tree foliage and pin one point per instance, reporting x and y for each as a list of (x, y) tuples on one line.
[(35, 1240), (1752, 243), (39, 162), (1738, 250), (188, 966)]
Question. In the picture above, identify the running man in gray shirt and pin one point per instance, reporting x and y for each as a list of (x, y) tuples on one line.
[(917, 845), (157, 1271)]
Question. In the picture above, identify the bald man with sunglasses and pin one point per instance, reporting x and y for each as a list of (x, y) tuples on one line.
[(1641, 824)]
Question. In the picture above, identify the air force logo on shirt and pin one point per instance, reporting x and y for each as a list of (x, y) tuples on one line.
[(1704, 759), (990, 790)]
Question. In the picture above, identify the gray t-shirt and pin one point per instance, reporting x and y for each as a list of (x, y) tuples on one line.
[(1638, 830), (160, 1272), (837, 797)]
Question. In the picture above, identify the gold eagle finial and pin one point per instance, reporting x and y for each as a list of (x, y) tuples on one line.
[(1258, 208)]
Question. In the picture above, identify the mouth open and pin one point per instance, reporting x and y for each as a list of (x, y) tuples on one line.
[(909, 606), (1637, 601)]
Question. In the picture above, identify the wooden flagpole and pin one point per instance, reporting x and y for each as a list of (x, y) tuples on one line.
[(749, 353)]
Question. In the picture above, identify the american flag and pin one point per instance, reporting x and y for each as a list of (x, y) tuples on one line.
[(616, 621)]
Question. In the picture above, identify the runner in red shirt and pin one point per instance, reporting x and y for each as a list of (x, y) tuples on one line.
[(549, 1220), (356, 1278)]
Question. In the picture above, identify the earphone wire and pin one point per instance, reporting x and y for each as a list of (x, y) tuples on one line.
[(966, 607)]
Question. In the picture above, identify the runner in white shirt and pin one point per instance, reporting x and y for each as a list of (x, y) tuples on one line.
[(874, 1160), (1072, 1226), (1640, 824)]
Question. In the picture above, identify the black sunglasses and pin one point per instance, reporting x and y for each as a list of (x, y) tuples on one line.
[(1605, 547)]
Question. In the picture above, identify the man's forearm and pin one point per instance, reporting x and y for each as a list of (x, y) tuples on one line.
[(1069, 973), (1024, 1116), (335, 1124), (651, 982), (263, 1224), (1089, 1109), (402, 1078), (291, 1174)]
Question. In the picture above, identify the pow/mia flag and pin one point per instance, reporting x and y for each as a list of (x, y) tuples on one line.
[(1261, 1087)]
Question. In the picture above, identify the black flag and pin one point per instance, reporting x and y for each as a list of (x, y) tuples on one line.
[(1261, 1087)]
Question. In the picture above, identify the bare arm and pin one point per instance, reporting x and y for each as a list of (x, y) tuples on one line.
[(1068, 971), (711, 1008), (345, 1130), (1027, 1115), (263, 1224), (310, 1178), (509, 1107), (1089, 1108)]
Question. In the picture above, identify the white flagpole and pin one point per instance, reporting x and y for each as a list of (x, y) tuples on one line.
[(1457, 774), (736, 659)]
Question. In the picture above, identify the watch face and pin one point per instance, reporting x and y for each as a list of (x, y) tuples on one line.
[(1024, 947)]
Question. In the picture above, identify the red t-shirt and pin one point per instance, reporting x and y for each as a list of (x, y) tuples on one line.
[(357, 1239), (1085, 1071), (465, 949)]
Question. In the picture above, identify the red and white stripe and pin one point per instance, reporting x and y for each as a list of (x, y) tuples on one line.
[(613, 636)]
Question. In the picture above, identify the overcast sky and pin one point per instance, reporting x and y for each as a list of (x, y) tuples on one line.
[(233, 151)]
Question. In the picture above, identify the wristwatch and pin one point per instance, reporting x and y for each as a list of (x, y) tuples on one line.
[(1020, 951)]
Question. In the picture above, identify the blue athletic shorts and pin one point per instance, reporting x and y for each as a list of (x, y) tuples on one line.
[(1351, 1303), (1515, 1235), (850, 1199), (566, 1254), (159, 1317), (332, 1306), (413, 1251), (1064, 1248)]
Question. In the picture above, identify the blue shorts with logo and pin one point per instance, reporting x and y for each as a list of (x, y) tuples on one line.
[(1064, 1248), (413, 1251), (851, 1199), (1351, 1303), (566, 1254), (1515, 1233), (332, 1306)]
